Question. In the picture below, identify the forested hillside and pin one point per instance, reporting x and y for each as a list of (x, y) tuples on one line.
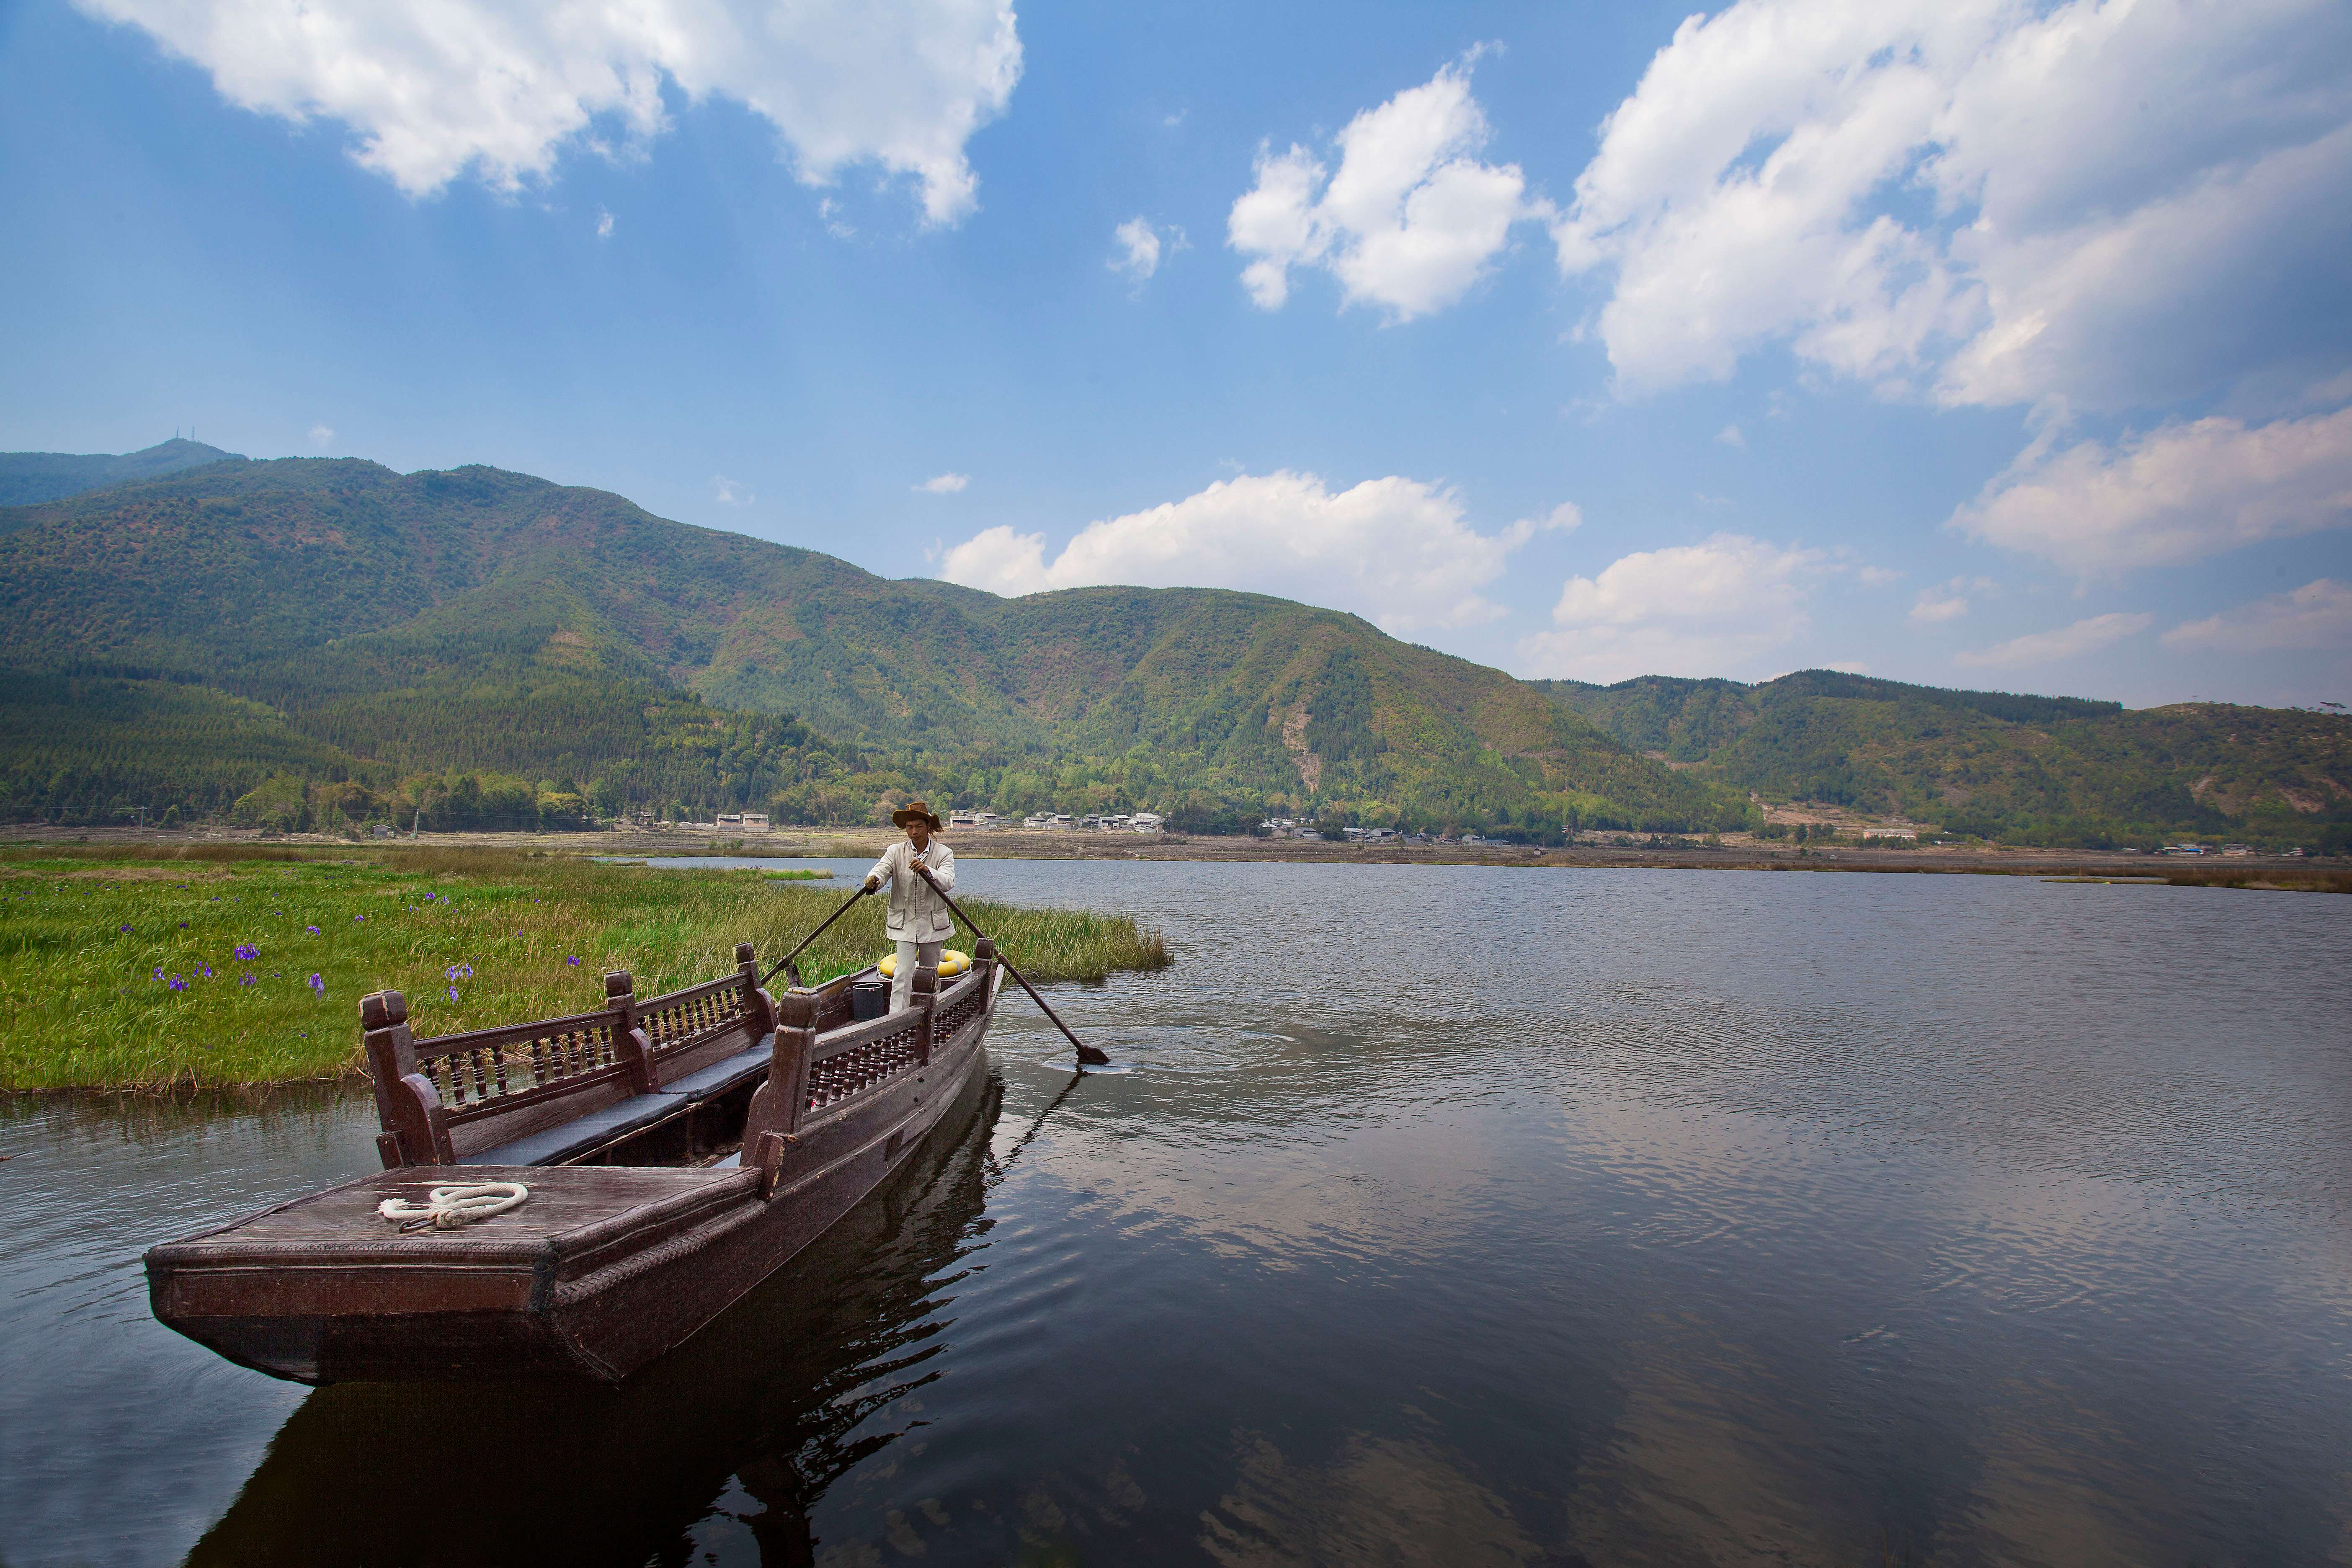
[(409, 634), (29, 477), (2052, 770), (311, 642)]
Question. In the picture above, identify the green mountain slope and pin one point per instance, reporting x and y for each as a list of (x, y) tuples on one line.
[(478, 619), (26, 478), (2034, 769)]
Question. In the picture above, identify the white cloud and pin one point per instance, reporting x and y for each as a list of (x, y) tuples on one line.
[(320, 434), (1410, 222), (727, 492), (1141, 248), (1730, 437), (1140, 244), (1873, 182), (2049, 648), (1710, 608), (434, 88), (2316, 615), (1878, 577), (944, 484), (1936, 605), (603, 226), (1393, 550), (2179, 494)]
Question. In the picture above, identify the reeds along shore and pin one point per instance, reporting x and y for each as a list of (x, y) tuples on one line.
[(213, 965)]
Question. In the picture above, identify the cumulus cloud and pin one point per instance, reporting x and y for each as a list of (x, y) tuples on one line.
[(1871, 182), (1730, 437), (1393, 550), (433, 90), (1141, 247), (1408, 224), (603, 226), (1711, 608), (2316, 615), (727, 492), (320, 434), (2179, 493), (944, 484), (1138, 249), (2083, 638)]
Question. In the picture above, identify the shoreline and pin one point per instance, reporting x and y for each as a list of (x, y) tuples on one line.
[(2308, 874)]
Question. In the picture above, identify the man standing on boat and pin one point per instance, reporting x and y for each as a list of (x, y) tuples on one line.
[(919, 922)]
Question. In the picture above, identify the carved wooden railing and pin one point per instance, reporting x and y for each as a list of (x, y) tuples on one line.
[(871, 1053), (693, 1028), (442, 1099), (811, 1075), (436, 1098)]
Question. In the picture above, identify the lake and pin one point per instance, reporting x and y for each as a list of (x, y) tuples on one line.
[(1460, 1213)]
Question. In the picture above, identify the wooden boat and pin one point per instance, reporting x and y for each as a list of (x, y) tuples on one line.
[(676, 1151)]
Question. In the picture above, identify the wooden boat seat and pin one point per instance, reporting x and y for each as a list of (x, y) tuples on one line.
[(726, 1073), (557, 1090), (553, 1145)]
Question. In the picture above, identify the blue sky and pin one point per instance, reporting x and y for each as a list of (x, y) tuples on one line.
[(1967, 342)]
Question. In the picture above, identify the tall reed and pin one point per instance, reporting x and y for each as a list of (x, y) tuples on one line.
[(155, 972)]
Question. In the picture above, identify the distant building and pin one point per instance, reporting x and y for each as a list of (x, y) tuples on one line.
[(1145, 822), (757, 821), (1910, 833), (729, 819), (2184, 849), (2236, 851)]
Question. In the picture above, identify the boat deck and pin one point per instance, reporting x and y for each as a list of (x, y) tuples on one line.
[(569, 1204)]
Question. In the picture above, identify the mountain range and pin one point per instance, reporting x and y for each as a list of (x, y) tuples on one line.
[(305, 637)]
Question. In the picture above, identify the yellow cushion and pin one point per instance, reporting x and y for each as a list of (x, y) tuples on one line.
[(951, 963)]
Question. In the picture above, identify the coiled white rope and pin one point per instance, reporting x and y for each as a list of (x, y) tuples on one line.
[(446, 1208)]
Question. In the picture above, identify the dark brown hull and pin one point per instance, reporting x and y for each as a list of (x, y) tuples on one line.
[(602, 1270)]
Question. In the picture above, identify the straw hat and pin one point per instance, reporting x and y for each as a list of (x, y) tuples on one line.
[(913, 809)]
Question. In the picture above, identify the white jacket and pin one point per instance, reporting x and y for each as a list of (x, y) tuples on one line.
[(916, 913)]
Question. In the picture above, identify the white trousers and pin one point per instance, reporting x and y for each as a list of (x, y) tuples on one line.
[(910, 954)]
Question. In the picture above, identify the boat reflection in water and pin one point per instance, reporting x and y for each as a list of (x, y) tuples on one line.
[(780, 1396)]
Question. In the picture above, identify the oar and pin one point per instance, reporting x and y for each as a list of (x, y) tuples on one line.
[(785, 963), (1087, 1053)]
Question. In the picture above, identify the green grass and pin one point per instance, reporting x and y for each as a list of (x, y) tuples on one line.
[(86, 1003)]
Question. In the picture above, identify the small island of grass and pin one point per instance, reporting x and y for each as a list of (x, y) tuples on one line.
[(213, 965)]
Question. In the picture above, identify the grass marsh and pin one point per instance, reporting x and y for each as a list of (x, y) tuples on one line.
[(211, 965)]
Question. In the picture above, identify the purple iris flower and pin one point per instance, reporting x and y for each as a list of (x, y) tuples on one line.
[(245, 952), (123, 928), (453, 993), (178, 985), (312, 929), (318, 984), (573, 961), (247, 980)]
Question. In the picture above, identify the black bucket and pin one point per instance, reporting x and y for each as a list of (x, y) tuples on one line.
[(868, 999)]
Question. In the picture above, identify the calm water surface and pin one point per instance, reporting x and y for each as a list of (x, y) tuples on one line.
[(1471, 1214)]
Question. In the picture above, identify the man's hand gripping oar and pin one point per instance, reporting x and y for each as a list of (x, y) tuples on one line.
[(792, 970), (1087, 1053)]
